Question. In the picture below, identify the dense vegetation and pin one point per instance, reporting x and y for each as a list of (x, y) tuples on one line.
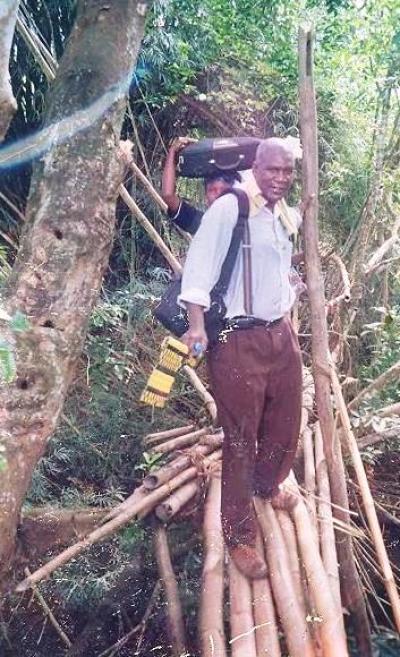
[(210, 67)]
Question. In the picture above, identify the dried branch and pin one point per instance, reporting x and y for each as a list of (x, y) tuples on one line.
[(384, 379)]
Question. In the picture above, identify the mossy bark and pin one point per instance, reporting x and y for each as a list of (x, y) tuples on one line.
[(67, 238)]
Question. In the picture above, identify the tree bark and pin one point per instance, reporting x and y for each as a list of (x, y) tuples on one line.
[(8, 104), (67, 240), (352, 591)]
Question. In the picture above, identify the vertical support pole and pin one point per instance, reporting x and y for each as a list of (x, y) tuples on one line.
[(351, 588)]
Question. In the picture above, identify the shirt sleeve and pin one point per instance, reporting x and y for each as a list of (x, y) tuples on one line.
[(207, 252), (187, 217)]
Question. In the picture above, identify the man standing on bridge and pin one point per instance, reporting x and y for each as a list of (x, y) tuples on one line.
[(255, 368)]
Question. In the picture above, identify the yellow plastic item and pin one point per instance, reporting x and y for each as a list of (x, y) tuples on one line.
[(173, 355)]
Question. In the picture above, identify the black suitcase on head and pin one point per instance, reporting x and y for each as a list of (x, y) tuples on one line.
[(210, 156)]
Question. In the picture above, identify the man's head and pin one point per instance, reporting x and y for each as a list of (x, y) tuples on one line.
[(218, 183), (273, 169)]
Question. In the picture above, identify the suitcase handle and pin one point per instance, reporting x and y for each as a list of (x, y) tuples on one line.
[(230, 166)]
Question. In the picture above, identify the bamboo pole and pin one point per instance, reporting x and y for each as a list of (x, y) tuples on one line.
[(368, 501), (166, 472), (199, 386), (211, 620), (289, 609), (150, 230), (242, 641), (147, 184), (309, 475), (308, 123), (331, 628), (289, 536), (267, 639), (177, 443), (325, 517), (169, 507), (169, 433), (144, 505), (175, 624)]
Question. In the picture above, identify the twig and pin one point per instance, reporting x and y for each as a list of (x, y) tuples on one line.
[(49, 614), (140, 626)]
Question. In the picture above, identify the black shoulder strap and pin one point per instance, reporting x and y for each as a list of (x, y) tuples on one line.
[(221, 285)]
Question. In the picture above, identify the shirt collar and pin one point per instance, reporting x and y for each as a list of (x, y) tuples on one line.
[(257, 202)]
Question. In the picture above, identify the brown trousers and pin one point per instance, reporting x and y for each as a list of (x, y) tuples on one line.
[(256, 380)]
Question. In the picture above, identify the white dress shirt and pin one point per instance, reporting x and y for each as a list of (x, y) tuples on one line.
[(271, 252)]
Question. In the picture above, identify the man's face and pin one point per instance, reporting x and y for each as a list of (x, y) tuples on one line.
[(214, 189), (274, 174)]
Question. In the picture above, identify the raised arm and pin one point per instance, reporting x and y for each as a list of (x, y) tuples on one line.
[(168, 184)]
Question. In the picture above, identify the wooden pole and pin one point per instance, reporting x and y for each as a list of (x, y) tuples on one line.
[(267, 639), (148, 185), (169, 433), (139, 505), (243, 640), (368, 501), (211, 622), (352, 591), (199, 386), (150, 230), (177, 443), (331, 628), (291, 614), (176, 628), (325, 518)]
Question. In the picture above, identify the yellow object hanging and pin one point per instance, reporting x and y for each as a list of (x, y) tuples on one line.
[(173, 355)]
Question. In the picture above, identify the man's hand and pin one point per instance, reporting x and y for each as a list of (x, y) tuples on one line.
[(196, 337), (196, 341)]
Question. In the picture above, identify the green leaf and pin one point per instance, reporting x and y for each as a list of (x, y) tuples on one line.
[(19, 322), (8, 368)]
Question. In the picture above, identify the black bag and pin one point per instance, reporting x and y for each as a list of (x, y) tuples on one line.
[(174, 318), (210, 156)]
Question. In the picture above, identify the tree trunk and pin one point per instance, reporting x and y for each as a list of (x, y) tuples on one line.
[(352, 592), (8, 105), (67, 239)]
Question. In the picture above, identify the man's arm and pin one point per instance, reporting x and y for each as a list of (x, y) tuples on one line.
[(203, 264)]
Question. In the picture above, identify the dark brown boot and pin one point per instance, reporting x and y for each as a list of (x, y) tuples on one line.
[(248, 561)]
